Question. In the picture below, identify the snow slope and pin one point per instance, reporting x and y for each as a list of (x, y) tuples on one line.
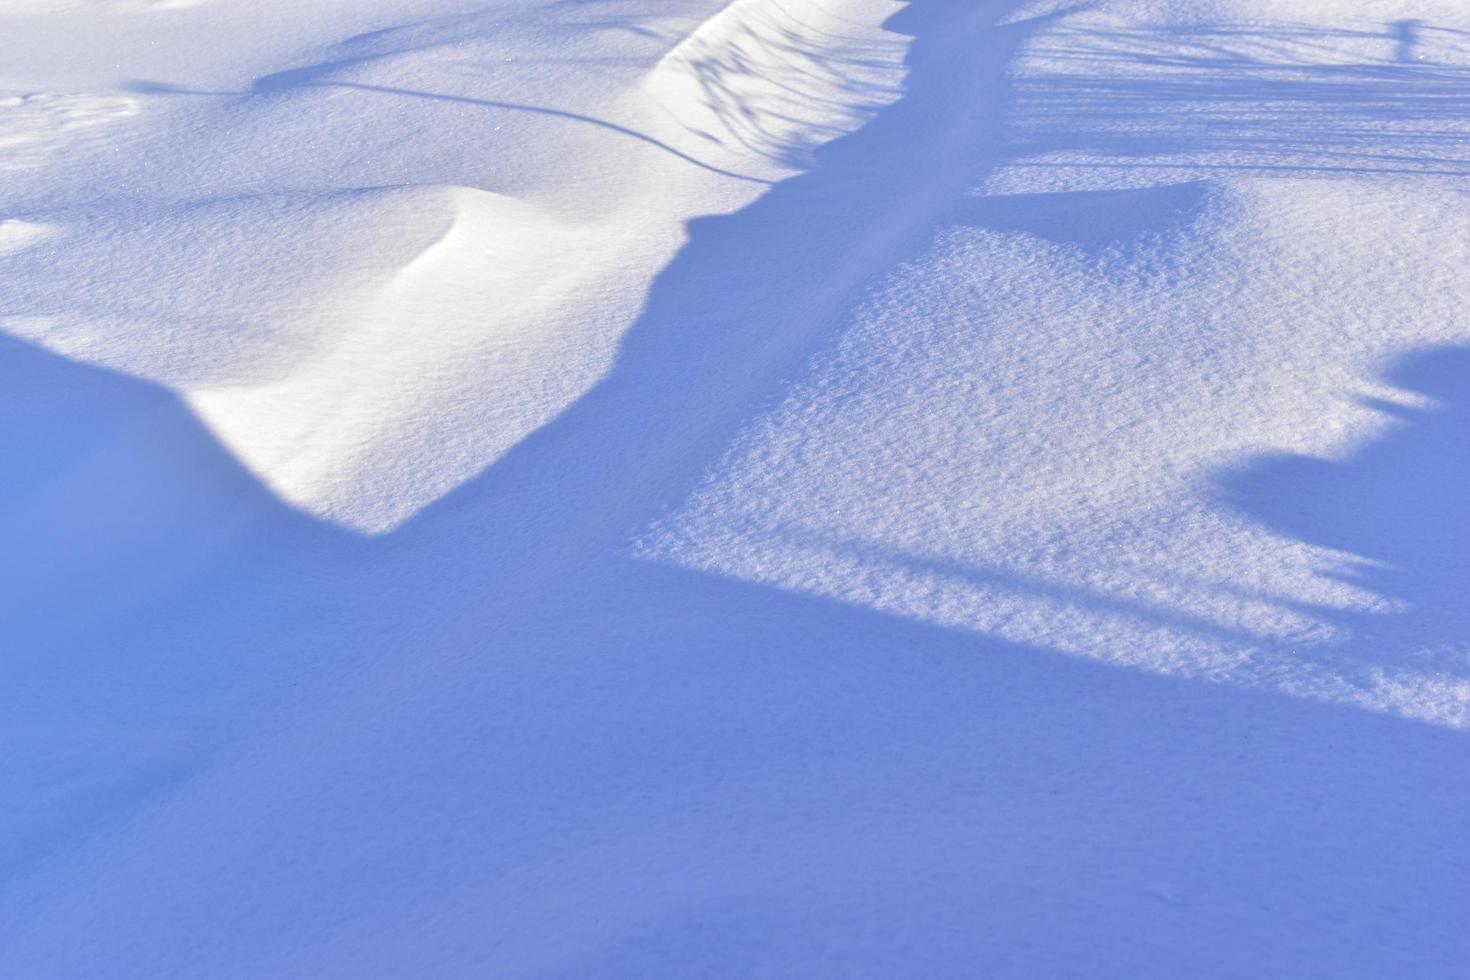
[(837, 487)]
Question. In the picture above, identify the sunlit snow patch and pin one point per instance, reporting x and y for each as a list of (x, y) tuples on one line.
[(1027, 437), (450, 362)]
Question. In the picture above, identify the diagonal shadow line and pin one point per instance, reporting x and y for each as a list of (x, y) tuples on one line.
[(556, 113), (1191, 165), (994, 577), (161, 88)]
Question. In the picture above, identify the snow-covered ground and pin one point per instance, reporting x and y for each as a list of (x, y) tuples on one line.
[(677, 488)]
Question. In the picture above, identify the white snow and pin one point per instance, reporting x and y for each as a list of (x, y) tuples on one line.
[(697, 488)]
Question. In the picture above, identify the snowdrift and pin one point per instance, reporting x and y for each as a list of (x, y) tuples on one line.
[(841, 487)]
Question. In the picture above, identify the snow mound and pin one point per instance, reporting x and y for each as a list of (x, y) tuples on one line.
[(764, 84), (441, 368)]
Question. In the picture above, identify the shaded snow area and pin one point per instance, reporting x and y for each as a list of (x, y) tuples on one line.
[(771, 488)]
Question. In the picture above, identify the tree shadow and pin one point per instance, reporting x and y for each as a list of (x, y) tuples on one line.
[(652, 764), (1398, 510), (1277, 98), (1122, 223), (492, 724), (201, 636)]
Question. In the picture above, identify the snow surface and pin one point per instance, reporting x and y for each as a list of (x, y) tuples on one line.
[(762, 488)]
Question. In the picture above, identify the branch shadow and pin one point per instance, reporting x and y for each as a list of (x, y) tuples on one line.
[(314, 76), (1248, 98)]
